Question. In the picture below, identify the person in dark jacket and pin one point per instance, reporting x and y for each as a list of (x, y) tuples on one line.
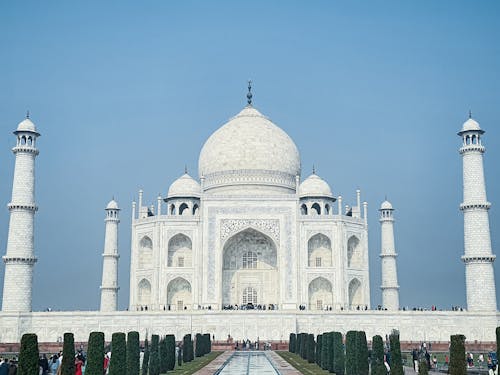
[(12, 368), (4, 367)]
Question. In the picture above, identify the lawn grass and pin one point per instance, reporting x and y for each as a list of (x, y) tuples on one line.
[(302, 365), (195, 365)]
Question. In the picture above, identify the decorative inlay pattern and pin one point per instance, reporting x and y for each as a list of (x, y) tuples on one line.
[(232, 226)]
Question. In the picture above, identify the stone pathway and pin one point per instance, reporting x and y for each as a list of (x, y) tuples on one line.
[(281, 365), (214, 365)]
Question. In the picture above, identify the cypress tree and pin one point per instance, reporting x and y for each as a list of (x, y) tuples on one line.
[(186, 348), (291, 342), (319, 342), (170, 340), (304, 346), (145, 358), (118, 361), (133, 353), (163, 356), (338, 354), (95, 354), (311, 348), (330, 355), (208, 343), (68, 361), (378, 367), (324, 351), (154, 356), (199, 345), (363, 366), (396, 360), (351, 363), (458, 363), (28, 355), (298, 344), (497, 331)]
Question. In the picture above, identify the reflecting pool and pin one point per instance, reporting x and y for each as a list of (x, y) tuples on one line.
[(250, 363)]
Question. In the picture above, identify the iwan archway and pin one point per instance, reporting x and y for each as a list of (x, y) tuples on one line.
[(250, 273)]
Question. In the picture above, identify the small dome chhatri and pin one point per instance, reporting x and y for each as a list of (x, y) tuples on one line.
[(471, 125), (314, 186), (184, 187), (26, 125)]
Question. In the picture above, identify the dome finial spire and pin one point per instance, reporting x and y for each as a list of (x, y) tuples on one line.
[(185, 169), (249, 94), (314, 169), (28, 113), (470, 113)]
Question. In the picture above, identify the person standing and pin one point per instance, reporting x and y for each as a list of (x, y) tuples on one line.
[(4, 367)]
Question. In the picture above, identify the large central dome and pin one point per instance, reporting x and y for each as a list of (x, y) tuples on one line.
[(249, 150)]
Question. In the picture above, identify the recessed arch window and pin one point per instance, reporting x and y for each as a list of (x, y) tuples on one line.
[(183, 209), (303, 209), (249, 296), (316, 209), (249, 260)]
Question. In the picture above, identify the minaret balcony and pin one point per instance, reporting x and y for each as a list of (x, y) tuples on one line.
[(471, 148), (27, 149), (478, 259), (475, 206), (16, 206), (19, 260)]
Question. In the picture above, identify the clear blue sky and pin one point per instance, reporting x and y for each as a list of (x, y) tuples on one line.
[(372, 92)]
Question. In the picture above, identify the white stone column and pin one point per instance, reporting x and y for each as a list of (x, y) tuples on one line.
[(390, 287), (20, 257), (478, 256), (109, 286)]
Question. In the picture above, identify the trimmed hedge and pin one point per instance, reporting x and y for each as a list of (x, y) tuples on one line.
[(362, 345), (133, 354), (68, 361), (351, 362), (154, 356), (378, 367), (95, 354), (163, 356), (318, 350), (396, 360), (198, 350), (458, 363), (324, 351), (292, 342), (170, 340), (187, 348), (145, 359), (28, 356), (311, 348), (118, 361), (497, 331), (338, 361)]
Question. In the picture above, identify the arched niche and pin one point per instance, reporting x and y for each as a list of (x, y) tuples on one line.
[(319, 249), (354, 253), (320, 294), (179, 294), (249, 260), (355, 294), (180, 251), (144, 293), (145, 252)]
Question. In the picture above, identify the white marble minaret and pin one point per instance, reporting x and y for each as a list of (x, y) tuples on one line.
[(478, 258), (390, 287), (20, 256), (109, 287)]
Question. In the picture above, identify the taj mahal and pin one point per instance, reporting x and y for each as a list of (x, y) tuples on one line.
[(250, 249)]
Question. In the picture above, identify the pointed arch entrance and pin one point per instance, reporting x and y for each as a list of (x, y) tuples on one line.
[(320, 294), (179, 294), (249, 269)]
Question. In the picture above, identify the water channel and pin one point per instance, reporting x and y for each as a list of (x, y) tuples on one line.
[(248, 363)]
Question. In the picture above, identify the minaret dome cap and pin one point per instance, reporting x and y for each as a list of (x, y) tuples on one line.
[(112, 205), (26, 126), (471, 125), (386, 205)]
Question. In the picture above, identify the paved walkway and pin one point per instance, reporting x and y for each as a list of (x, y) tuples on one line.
[(281, 365), (214, 365)]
